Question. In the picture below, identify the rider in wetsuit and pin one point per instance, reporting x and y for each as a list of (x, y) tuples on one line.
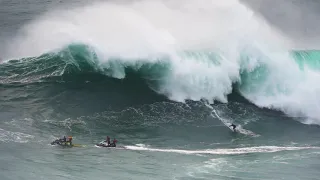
[(59, 141), (108, 140), (234, 127), (114, 143), (70, 140)]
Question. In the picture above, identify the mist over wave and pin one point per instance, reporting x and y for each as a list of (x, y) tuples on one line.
[(192, 49)]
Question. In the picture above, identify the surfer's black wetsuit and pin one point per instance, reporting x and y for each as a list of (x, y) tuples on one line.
[(233, 126)]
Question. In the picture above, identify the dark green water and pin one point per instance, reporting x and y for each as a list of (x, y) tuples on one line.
[(158, 111)]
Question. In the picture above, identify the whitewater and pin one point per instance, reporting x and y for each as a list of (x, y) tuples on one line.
[(211, 48), (166, 79)]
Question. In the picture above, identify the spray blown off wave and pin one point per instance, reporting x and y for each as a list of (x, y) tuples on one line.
[(184, 49)]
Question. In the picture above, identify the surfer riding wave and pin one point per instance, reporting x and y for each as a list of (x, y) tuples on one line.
[(234, 127)]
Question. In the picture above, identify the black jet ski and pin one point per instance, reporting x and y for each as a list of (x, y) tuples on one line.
[(104, 144), (65, 143), (61, 143)]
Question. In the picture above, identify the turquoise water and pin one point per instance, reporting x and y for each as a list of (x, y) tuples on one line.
[(168, 110)]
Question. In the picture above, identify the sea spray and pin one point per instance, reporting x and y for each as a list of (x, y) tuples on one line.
[(229, 45)]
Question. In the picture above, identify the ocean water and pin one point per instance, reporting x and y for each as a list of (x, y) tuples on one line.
[(166, 79)]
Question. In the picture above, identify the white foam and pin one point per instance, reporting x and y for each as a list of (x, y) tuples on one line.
[(245, 150), (154, 29), (9, 136), (68, 123)]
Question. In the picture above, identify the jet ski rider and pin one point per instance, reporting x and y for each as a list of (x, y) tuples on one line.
[(108, 140), (70, 140), (114, 142)]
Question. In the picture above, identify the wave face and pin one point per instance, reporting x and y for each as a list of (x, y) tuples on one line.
[(182, 49)]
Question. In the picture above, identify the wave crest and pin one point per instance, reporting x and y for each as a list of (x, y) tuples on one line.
[(182, 49)]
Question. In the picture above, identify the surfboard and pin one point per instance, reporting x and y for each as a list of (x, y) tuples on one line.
[(68, 145), (78, 145)]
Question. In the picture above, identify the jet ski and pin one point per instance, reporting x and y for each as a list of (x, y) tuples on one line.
[(104, 144), (64, 143), (61, 143)]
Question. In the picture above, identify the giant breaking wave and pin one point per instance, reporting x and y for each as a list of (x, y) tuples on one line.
[(184, 49)]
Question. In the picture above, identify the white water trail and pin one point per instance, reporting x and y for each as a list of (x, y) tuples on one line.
[(231, 151), (219, 33), (228, 122), (239, 128)]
